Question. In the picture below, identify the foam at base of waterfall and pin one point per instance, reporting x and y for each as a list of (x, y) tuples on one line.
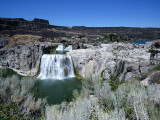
[(56, 66)]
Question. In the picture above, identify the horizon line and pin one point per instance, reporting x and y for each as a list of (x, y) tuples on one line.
[(77, 25)]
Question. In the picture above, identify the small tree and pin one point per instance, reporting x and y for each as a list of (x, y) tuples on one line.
[(154, 51)]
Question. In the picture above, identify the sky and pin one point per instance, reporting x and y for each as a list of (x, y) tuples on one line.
[(92, 13)]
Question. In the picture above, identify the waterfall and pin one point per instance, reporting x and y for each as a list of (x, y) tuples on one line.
[(60, 47), (56, 66), (69, 48)]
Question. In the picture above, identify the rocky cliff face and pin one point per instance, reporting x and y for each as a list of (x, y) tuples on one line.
[(135, 32), (25, 60), (125, 61), (12, 26), (19, 23), (3, 43)]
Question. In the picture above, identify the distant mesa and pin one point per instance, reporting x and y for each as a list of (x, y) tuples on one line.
[(12, 26), (17, 23), (42, 21)]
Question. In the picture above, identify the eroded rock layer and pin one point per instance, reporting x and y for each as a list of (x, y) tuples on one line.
[(24, 59), (124, 61)]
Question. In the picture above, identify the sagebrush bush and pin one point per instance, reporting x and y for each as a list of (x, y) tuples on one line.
[(129, 101), (96, 101), (82, 109), (16, 98)]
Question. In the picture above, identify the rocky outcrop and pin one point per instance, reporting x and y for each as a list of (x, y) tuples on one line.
[(152, 78), (3, 42), (77, 45), (135, 32), (125, 61), (157, 44), (14, 26), (155, 77), (25, 60), (18, 23), (40, 27)]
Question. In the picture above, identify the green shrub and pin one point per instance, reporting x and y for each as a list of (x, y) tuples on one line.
[(17, 101), (6, 72), (157, 67), (114, 82), (53, 40), (82, 36), (10, 112), (95, 44), (75, 94), (154, 51), (107, 100), (78, 75)]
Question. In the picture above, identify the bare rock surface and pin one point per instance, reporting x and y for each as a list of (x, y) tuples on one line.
[(24, 59), (124, 60), (152, 78), (3, 43)]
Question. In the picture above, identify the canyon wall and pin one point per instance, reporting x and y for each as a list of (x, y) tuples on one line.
[(24, 59), (42, 27), (124, 61)]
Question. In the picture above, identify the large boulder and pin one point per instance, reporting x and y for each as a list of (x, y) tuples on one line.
[(157, 44), (155, 77), (152, 78), (90, 61), (77, 45)]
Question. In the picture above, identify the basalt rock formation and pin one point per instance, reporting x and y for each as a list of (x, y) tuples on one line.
[(24, 59), (23, 42), (12, 26), (20, 23), (135, 32), (124, 61), (3, 43)]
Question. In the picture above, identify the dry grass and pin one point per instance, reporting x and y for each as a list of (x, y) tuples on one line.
[(22, 40)]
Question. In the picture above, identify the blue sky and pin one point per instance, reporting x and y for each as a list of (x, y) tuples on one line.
[(102, 13)]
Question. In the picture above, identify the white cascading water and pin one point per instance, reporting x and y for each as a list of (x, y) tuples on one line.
[(56, 66), (69, 48), (60, 47)]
